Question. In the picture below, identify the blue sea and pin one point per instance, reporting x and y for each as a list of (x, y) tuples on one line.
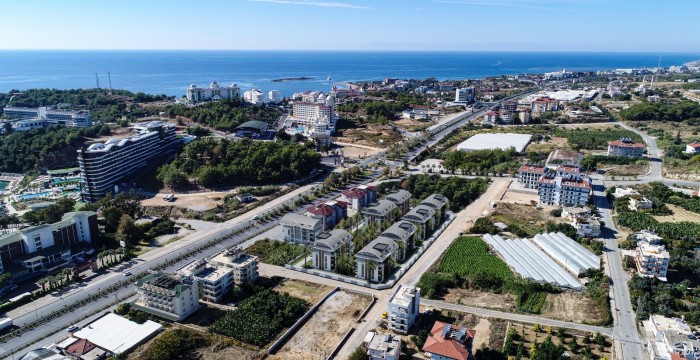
[(171, 72)]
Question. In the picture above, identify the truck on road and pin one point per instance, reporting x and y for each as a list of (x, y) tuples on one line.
[(5, 323)]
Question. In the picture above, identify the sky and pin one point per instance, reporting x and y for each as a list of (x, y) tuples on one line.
[(393, 25)]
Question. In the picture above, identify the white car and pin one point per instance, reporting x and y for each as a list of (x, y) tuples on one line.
[(72, 328)]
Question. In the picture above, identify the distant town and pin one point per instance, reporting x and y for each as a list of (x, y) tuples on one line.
[(530, 216)]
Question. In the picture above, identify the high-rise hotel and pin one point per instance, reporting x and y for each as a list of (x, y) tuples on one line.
[(102, 165)]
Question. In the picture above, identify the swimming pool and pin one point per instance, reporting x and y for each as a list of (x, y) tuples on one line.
[(3, 185), (34, 196)]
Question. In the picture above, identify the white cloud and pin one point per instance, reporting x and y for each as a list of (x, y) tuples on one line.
[(495, 3), (333, 4)]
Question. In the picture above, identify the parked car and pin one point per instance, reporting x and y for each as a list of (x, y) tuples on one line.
[(72, 328)]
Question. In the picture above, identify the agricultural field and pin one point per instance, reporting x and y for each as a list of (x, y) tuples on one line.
[(679, 215), (594, 139), (310, 292), (468, 257), (179, 342), (520, 339)]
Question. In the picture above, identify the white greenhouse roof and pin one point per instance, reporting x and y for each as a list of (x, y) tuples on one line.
[(495, 141), (117, 334)]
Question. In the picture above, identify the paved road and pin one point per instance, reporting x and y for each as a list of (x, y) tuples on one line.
[(627, 339)]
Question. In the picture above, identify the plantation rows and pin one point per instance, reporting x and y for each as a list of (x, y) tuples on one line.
[(469, 256)]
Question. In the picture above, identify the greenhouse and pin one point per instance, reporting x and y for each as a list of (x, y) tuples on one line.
[(567, 252)]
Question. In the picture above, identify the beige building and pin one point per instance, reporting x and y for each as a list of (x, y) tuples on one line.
[(243, 266), (170, 296), (652, 260)]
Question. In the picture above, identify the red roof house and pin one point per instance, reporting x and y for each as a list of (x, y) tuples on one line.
[(449, 341)]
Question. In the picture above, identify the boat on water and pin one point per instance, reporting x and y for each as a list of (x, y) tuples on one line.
[(329, 78)]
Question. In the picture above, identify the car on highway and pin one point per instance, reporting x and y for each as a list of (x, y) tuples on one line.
[(72, 328), (127, 273)]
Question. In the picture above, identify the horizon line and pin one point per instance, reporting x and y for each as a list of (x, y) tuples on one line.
[(375, 50)]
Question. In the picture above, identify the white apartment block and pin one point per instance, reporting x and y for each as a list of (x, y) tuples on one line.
[(652, 260), (328, 247), (564, 190), (383, 346), (171, 296), (404, 307), (301, 229), (465, 95), (244, 267), (254, 96), (528, 175), (41, 117), (371, 260), (102, 165), (214, 282), (274, 96), (586, 227), (213, 93), (625, 147)]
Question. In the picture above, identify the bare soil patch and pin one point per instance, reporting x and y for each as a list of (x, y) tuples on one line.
[(571, 306), (310, 292), (627, 170), (483, 334), (477, 298), (351, 151), (371, 135), (317, 338)]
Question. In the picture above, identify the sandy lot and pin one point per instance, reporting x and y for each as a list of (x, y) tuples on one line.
[(310, 292), (354, 151), (317, 338), (477, 298), (679, 215), (571, 306), (520, 198), (193, 201), (483, 334)]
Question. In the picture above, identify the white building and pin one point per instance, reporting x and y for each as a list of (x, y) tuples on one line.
[(670, 339), (328, 247), (102, 165), (314, 116), (41, 117), (274, 96), (693, 148), (652, 260), (648, 237), (170, 296), (621, 192), (494, 141), (465, 95), (404, 307), (383, 346), (371, 262), (625, 147), (213, 93), (254, 96), (244, 267), (112, 334), (586, 227), (528, 175), (564, 190), (301, 229), (214, 282)]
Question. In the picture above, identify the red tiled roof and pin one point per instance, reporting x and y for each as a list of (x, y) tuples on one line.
[(354, 193), (532, 169), (568, 169), (677, 356), (450, 348), (546, 100), (694, 144), (321, 209), (491, 113), (341, 203), (584, 184), (620, 143), (80, 347)]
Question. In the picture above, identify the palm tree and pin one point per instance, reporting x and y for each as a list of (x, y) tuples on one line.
[(402, 250), (306, 253), (345, 264), (42, 282), (101, 257)]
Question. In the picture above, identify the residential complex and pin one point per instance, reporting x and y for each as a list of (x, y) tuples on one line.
[(359, 197), (213, 93), (423, 217), (566, 190), (328, 247), (400, 198), (402, 233), (404, 307), (379, 212), (46, 247), (41, 117), (301, 229), (449, 342), (625, 147), (652, 260), (670, 339), (243, 266), (170, 296), (103, 165), (372, 261), (274, 96), (216, 276), (544, 104), (313, 116), (330, 212), (254, 96)]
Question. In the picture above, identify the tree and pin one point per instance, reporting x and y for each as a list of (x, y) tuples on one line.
[(127, 230), (345, 264), (112, 209), (370, 266), (307, 253)]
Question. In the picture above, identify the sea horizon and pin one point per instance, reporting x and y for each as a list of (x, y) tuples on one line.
[(170, 72)]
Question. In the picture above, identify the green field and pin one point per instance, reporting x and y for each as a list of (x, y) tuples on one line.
[(469, 257)]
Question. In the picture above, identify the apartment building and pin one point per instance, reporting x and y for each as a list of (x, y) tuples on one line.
[(652, 260), (328, 247), (371, 262), (48, 246), (326, 213), (274, 96), (586, 226), (254, 96), (213, 93), (244, 267), (356, 198), (544, 104), (371, 192), (170, 296), (404, 307), (40, 117), (439, 203), (379, 212), (213, 282), (625, 147), (313, 116), (528, 175), (423, 217), (465, 95), (301, 229), (491, 116), (401, 198), (525, 116), (564, 190), (102, 165), (401, 232)]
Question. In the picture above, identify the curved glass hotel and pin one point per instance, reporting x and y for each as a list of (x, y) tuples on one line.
[(102, 165)]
